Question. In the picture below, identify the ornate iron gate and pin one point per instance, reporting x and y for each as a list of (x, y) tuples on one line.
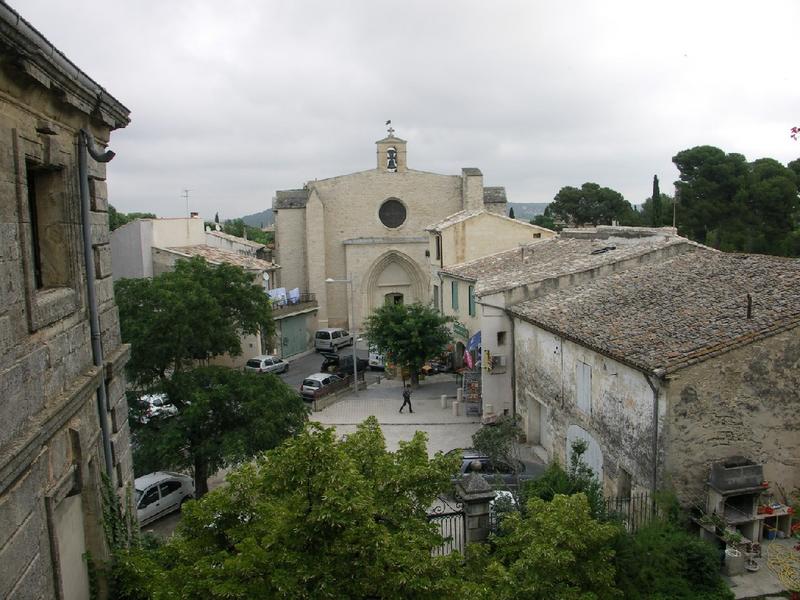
[(448, 516)]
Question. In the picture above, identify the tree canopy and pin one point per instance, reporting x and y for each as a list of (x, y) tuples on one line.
[(318, 518), (590, 204), (735, 205), (194, 313), (239, 228), (410, 334), (117, 219), (224, 416)]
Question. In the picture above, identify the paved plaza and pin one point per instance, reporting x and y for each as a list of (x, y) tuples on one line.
[(383, 400)]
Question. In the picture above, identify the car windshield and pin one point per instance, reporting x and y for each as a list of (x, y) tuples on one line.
[(323, 335), (254, 363), (137, 494), (311, 383)]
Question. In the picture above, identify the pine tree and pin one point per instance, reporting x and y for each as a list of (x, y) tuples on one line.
[(216, 217), (656, 215)]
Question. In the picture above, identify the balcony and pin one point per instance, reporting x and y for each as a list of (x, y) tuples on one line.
[(304, 302)]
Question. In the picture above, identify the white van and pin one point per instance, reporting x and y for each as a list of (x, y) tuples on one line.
[(332, 338)]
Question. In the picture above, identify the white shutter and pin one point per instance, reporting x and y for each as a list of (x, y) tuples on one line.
[(583, 382)]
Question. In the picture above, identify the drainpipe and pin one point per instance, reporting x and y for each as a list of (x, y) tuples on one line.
[(654, 484), (85, 147)]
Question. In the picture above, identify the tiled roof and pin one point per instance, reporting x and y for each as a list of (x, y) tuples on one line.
[(494, 195), (463, 215), (553, 258), (219, 256), (236, 239), (290, 199), (664, 316)]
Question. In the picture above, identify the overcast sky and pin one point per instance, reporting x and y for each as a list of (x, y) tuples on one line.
[(234, 100)]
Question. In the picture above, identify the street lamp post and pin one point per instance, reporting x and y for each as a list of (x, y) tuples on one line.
[(351, 319)]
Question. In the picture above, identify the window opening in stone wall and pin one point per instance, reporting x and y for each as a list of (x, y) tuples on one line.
[(34, 221), (537, 235), (438, 247), (454, 294), (501, 338), (49, 245), (471, 297), (392, 213), (436, 297), (393, 298)]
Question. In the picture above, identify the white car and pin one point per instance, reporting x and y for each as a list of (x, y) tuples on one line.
[(332, 338), (266, 364), (156, 406), (376, 360), (160, 493)]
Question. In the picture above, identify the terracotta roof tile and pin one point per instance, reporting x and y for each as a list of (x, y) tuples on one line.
[(664, 316)]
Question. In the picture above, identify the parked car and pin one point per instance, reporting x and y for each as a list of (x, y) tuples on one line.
[(493, 472), (376, 360), (156, 406), (160, 493), (315, 384), (341, 365), (266, 363), (332, 338)]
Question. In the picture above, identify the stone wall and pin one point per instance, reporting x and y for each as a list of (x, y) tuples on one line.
[(51, 453), (742, 403), (620, 415)]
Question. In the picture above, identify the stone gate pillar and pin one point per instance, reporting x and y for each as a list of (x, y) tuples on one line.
[(475, 494)]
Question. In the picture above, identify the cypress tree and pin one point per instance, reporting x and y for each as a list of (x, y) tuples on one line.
[(656, 204)]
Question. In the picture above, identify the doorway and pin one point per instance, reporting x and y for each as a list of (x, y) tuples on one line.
[(393, 298)]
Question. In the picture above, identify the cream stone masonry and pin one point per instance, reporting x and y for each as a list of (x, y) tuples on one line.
[(51, 453), (370, 226)]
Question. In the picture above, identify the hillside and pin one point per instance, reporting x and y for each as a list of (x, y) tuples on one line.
[(527, 210), (261, 219)]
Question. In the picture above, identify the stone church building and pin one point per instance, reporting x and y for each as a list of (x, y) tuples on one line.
[(370, 226)]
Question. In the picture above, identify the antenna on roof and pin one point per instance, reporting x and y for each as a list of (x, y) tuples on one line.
[(186, 197)]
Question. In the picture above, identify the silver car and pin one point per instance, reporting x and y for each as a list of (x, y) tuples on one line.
[(314, 385), (266, 363), (160, 493)]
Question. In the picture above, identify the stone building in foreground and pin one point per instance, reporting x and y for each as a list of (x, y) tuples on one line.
[(667, 368), (57, 437)]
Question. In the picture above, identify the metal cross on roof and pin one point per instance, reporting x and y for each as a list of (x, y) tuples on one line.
[(390, 129)]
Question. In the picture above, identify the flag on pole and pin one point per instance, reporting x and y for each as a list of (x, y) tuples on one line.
[(468, 359)]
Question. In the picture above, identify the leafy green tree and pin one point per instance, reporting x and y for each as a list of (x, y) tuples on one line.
[(188, 315), (577, 479), (546, 221), (591, 204), (239, 228), (656, 217), (224, 416), (663, 561), (316, 518), (734, 205), (551, 551), (646, 213), (410, 334), (117, 219)]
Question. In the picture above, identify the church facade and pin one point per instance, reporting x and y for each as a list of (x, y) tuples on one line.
[(370, 227)]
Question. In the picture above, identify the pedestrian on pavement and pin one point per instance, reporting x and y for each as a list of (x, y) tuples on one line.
[(407, 398)]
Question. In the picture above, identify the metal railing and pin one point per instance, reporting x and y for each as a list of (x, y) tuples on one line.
[(634, 511)]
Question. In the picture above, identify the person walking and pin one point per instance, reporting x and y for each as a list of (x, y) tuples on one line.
[(407, 398)]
